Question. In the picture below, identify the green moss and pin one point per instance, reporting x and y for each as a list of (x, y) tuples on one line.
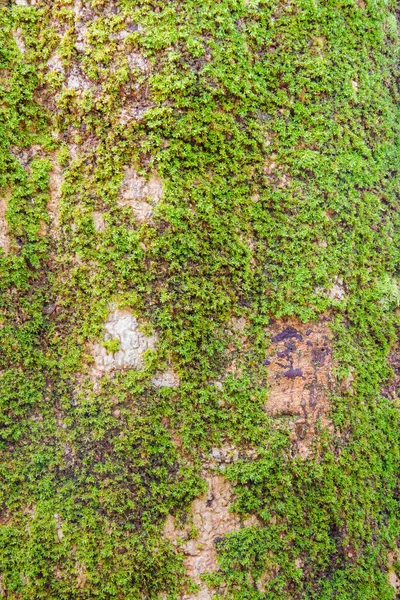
[(112, 345), (274, 128)]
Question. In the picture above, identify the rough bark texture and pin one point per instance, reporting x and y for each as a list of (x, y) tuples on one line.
[(199, 259)]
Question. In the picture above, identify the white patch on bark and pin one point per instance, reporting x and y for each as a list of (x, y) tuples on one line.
[(123, 326), (167, 379), (98, 221), (17, 35), (337, 291)]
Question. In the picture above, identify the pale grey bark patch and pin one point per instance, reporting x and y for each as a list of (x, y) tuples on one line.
[(53, 205), (122, 326), (98, 221), (55, 64), (77, 80), (393, 578), (4, 240), (167, 379), (140, 193), (135, 112), (123, 329), (337, 291), (19, 40), (138, 61)]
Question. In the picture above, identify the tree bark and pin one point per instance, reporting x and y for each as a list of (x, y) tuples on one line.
[(199, 257)]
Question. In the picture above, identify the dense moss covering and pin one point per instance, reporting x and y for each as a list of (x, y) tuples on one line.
[(274, 127)]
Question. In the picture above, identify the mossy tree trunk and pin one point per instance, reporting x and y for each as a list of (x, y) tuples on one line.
[(199, 223)]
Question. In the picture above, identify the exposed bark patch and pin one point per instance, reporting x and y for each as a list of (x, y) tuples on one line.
[(337, 291), (81, 575), (300, 378), (26, 155), (53, 206), (4, 240), (391, 391), (213, 520), (138, 61), (98, 221), (274, 174), (77, 80), (55, 64), (134, 112), (123, 347), (140, 193), (122, 328), (210, 517), (166, 379), (393, 577), (19, 40)]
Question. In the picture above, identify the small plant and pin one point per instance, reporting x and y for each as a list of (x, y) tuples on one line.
[(112, 345)]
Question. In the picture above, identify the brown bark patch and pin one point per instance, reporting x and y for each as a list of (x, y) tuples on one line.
[(212, 520), (300, 375)]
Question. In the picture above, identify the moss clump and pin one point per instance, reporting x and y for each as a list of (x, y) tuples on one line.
[(112, 345)]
